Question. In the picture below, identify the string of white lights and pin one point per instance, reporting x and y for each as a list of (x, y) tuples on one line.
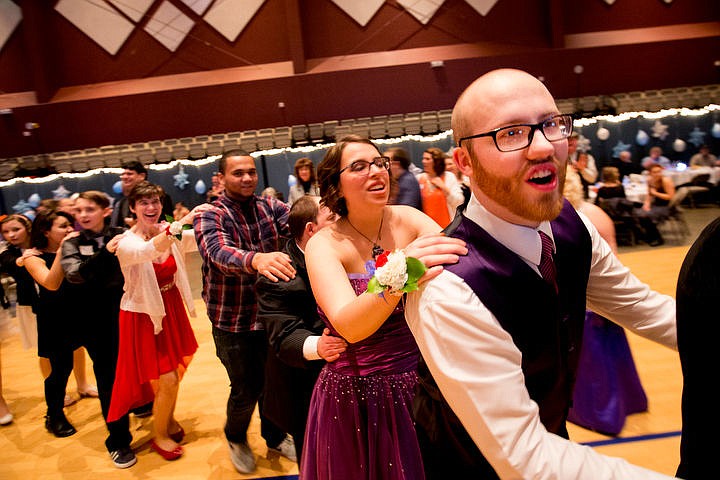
[(582, 122)]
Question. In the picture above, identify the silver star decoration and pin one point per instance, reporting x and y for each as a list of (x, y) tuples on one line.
[(697, 137), (660, 130), (181, 178), (22, 206), (620, 147), (61, 192), (583, 144)]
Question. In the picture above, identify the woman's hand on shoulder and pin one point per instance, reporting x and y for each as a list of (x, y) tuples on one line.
[(435, 250), (29, 252), (112, 245), (203, 207), (69, 236)]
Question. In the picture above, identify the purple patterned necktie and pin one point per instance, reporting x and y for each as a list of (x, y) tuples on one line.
[(547, 266)]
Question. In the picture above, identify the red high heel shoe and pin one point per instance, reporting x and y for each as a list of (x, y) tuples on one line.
[(178, 436), (173, 454)]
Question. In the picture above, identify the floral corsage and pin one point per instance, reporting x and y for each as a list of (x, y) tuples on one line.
[(174, 228), (395, 273)]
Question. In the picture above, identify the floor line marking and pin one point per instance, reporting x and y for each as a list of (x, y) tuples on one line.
[(638, 438)]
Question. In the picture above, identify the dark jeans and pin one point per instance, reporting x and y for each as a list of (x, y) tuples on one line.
[(102, 347), (243, 354)]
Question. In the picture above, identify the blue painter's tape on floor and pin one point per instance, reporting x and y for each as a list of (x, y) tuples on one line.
[(639, 438)]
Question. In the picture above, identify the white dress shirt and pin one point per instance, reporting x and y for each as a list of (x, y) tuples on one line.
[(478, 367)]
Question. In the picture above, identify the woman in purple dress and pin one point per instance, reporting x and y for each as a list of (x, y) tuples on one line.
[(360, 424)]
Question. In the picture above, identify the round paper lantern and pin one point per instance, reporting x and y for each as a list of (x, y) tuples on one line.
[(34, 200), (679, 145), (117, 187), (200, 187), (716, 130), (292, 181), (603, 133), (642, 138)]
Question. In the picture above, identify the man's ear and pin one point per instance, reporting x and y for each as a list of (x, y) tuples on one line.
[(311, 229), (463, 161), (108, 211)]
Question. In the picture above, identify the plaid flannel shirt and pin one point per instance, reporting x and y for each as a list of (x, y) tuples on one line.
[(228, 237)]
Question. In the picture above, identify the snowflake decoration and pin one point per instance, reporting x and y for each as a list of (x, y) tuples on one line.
[(22, 206), (181, 179), (620, 147), (583, 144), (660, 130), (697, 137), (61, 192)]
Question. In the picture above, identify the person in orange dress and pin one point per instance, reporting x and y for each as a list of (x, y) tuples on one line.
[(440, 189), (156, 339)]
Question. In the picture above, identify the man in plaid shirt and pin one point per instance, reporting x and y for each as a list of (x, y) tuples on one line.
[(238, 239)]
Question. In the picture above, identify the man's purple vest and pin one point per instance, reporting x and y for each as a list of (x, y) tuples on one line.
[(546, 327)]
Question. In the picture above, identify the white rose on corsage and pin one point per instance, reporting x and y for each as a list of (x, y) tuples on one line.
[(175, 228), (395, 273)]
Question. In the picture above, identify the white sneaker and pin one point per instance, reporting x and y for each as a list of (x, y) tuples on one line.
[(286, 448), (242, 457)]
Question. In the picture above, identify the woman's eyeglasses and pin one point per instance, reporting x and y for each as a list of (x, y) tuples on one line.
[(362, 167)]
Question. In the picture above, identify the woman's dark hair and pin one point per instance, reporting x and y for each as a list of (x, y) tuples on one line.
[(43, 224), (438, 157), (145, 189), (305, 162), (329, 178)]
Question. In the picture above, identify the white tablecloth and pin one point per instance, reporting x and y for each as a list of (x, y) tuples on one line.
[(680, 177)]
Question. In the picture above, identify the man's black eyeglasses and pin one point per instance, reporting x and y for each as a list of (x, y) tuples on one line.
[(363, 166), (517, 137)]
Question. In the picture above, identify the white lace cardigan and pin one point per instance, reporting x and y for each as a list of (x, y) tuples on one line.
[(142, 292)]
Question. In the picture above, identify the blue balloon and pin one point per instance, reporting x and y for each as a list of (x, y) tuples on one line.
[(34, 200), (200, 187), (642, 138), (292, 181), (117, 187), (716, 130), (30, 214)]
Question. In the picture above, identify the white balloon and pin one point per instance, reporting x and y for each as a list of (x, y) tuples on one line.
[(34, 200), (603, 133), (642, 138), (200, 187), (679, 145), (716, 130), (292, 181)]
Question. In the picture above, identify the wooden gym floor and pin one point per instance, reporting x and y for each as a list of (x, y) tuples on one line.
[(28, 451)]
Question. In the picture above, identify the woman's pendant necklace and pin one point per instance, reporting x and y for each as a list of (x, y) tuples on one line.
[(376, 249)]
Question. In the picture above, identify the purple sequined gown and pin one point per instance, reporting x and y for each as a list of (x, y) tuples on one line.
[(359, 424)]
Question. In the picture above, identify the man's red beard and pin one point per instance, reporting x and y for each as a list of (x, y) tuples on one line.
[(507, 192)]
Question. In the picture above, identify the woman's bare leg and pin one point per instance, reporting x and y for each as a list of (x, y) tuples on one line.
[(163, 409)]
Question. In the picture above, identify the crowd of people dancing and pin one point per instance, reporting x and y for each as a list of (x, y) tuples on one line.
[(442, 369)]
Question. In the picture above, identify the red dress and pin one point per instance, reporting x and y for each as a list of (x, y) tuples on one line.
[(144, 356)]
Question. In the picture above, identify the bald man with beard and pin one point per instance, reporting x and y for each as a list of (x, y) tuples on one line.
[(500, 331)]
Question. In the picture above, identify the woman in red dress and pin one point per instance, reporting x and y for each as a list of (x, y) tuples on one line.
[(156, 339)]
